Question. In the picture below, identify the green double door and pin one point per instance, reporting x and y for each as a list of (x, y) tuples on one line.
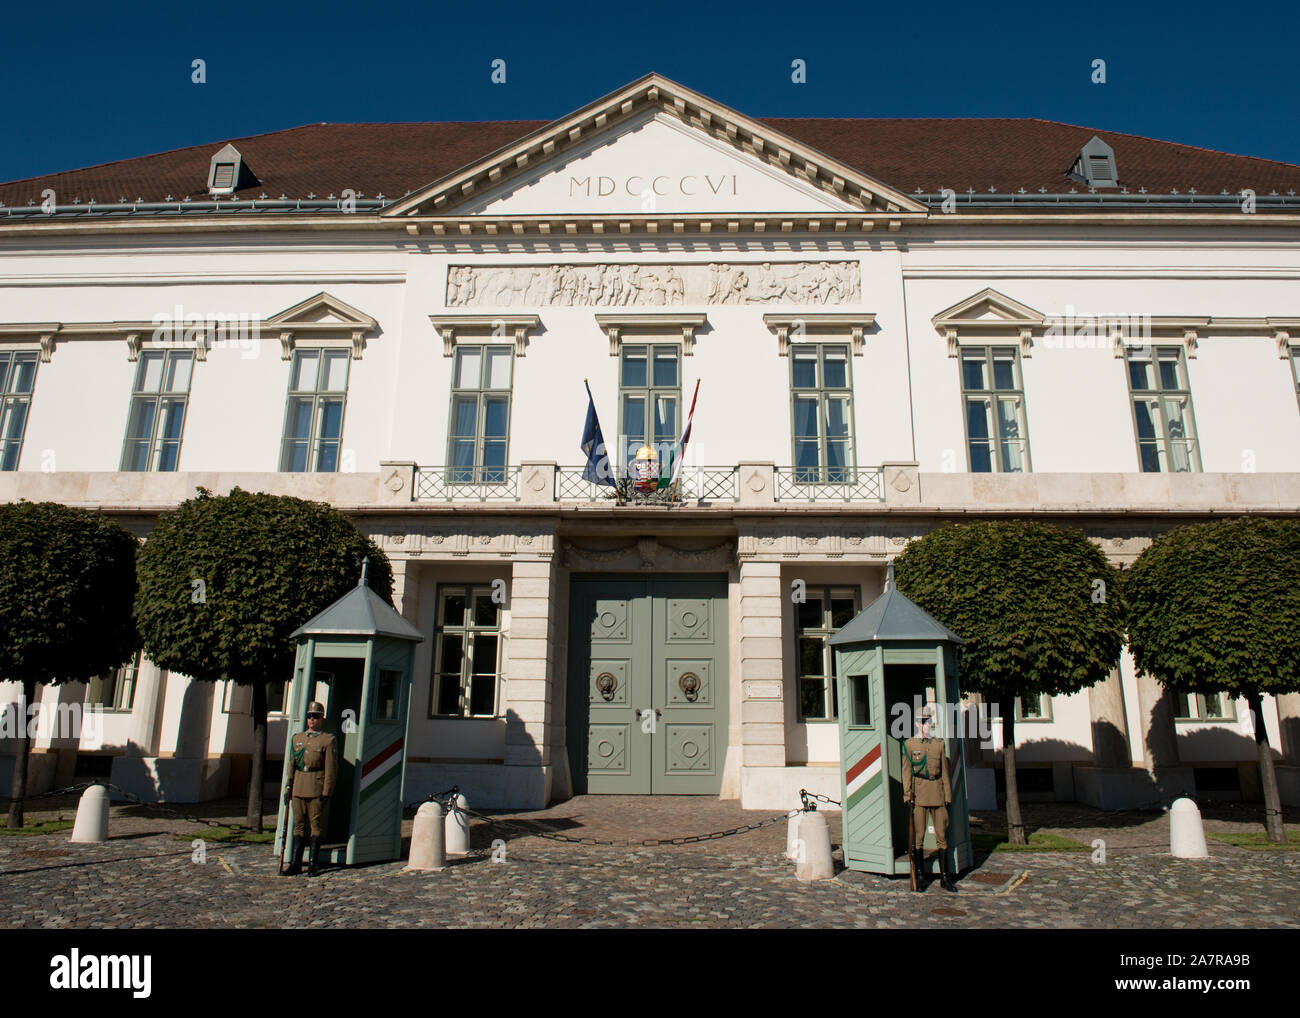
[(647, 692)]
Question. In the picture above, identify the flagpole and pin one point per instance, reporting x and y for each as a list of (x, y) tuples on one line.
[(677, 467), (617, 497)]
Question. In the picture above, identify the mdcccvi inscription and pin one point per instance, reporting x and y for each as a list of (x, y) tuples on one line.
[(654, 284)]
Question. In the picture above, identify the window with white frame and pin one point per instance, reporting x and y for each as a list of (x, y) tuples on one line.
[(115, 691), (157, 418), (467, 652), (997, 436), (17, 379), (823, 613), (1162, 409), (649, 399), (313, 417), (821, 395), (1034, 707), (1203, 706), (479, 433)]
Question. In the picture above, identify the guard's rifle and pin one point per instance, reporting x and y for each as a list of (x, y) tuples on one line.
[(288, 817)]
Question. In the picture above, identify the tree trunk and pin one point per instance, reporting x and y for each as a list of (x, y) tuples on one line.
[(1267, 774), (18, 789), (257, 766), (1015, 826)]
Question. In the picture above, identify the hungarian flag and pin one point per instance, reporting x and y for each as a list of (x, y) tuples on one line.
[(671, 470)]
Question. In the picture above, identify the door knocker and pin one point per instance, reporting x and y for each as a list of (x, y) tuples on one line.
[(606, 683), (690, 685)]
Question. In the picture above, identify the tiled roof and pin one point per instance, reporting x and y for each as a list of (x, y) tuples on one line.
[(989, 156)]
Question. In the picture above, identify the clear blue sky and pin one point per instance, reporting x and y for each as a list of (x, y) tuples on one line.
[(83, 84)]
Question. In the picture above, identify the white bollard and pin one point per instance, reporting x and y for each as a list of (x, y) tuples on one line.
[(814, 862), (428, 848), (1186, 832), (91, 827), (792, 836), (457, 829)]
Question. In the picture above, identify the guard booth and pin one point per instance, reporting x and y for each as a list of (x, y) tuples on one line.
[(891, 660), (356, 658)]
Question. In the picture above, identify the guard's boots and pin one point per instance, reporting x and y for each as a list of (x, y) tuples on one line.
[(945, 878), (919, 856), (313, 870), (295, 857)]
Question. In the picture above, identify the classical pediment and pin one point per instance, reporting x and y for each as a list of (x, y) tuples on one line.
[(988, 315), (322, 318), (656, 149)]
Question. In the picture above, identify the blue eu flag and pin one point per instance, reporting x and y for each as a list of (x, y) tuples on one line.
[(597, 469)]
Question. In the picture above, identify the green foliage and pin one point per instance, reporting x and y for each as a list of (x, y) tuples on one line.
[(1039, 841), (1217, 606), (44, 827), (267, 564), (1025, 599), (1256, 840), (65, 593)]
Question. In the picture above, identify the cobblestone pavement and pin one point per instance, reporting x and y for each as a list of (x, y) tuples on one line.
[(144, 876)]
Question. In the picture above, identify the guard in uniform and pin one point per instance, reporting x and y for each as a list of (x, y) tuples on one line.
[(312, 772), (927, 790)]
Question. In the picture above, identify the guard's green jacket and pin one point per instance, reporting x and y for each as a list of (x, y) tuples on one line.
[(313, 764), (925, 771)]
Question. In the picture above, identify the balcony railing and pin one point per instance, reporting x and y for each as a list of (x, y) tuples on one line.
[(466, 484), (544, 483), (829, 484), (696, 484)]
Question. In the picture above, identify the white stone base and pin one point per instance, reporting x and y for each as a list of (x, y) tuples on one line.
[(170, 779), (1130, 787), (777, 788), (41, 772)]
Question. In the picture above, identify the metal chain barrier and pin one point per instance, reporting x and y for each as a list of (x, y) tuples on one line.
[(530, 828)]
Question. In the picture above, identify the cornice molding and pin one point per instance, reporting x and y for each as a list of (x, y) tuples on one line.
[(664, 324), (786, 326), (452, 327)]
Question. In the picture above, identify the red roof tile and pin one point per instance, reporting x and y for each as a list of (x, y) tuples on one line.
[(929, 153)]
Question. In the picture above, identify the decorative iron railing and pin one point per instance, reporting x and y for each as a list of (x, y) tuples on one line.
[(822, 484), (467, 484), (696, 484)]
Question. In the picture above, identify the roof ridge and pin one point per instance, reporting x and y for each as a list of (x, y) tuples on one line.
[(1162, 141), (151, 155)]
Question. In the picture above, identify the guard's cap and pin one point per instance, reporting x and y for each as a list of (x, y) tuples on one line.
[(315, 707)]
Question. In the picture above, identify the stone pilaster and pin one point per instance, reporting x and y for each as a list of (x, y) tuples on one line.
[(1160, 741), (1110, 744), (762, 697), (531, 698)]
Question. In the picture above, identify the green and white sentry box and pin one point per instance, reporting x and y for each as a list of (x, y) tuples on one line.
[(357, 658), (889, 661)]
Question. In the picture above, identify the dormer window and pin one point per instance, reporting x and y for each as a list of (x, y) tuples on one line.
[(228, 172), (1095, 165)]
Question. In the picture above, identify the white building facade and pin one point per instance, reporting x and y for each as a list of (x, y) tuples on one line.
[(1102, 349)]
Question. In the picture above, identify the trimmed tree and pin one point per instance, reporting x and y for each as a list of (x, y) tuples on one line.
[(224, 580), (1214, 608), (65, 606), (1039, 607)]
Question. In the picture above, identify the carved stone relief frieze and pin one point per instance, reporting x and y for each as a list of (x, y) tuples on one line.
[(654, 284)]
